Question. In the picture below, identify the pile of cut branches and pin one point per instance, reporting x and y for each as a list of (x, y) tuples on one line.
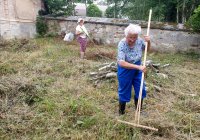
[(109, 71)]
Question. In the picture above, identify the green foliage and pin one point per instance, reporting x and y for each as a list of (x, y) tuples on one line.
[(90, 1), (163, 10), (194, 20), (59, 7), (41, 26), (93, 11), (110, 12)]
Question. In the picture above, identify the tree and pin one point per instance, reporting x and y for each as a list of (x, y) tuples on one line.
[(118, 6), (93, 11), (194, 20), (110, 12), (59, 7)]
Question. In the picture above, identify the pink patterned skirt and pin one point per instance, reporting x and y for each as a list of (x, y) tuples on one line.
[(83, 43)]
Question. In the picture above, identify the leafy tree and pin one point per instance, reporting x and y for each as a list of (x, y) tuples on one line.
[(93, 11), (110, 12), (194, 20), (118, 6), (90, 1), (163, 10), (59, 7)]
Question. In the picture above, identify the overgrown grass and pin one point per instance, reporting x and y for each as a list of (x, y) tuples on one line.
[(48, 95)]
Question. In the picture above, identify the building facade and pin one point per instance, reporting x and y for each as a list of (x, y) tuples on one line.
[(18, 17)]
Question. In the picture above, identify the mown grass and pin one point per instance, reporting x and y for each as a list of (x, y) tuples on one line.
[(48, 95)]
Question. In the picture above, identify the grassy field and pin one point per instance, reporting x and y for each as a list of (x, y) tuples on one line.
[(45, 93)]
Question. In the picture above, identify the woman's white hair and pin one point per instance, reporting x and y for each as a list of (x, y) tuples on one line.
[(132, 29)]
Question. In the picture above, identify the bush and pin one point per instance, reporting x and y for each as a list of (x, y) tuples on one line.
[(110, 12), (194, 20), (42, 12), (41, 26), (93, 11), (59, 7)]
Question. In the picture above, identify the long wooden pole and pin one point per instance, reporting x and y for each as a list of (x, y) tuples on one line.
[(137, 112)]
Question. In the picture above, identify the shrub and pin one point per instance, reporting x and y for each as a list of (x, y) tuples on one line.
[(110, 12), (41, 26), (93, 11), (194, 20)]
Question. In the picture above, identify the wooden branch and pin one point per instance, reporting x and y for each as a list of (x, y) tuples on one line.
[(111, 75), (138, 125), (166, 65), (156, 65), (153, 68), (104, 68)]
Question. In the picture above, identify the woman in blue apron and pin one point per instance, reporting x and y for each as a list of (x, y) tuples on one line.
[(129, 66)]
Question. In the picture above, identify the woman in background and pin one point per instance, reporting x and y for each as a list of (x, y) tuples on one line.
[(82, 34)]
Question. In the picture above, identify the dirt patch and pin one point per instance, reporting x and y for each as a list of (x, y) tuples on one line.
[(101, 55)]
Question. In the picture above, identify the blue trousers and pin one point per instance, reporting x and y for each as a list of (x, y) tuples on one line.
[(126, 79)]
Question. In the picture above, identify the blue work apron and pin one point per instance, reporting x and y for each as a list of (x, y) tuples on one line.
[(128, 78)]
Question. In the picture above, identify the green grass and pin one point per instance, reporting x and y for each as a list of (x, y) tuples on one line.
[(47, 94)]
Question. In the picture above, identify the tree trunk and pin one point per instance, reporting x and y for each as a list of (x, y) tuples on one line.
[(115, 10), (159, 12), (183, 12), (74, 12), (192, 7), (86, 6), (177, 12)]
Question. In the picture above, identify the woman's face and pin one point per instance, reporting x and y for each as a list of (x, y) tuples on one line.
[(81, 22), (131, 38)]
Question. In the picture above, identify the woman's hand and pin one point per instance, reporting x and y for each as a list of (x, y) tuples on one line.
[(146, 38), (143, 68)]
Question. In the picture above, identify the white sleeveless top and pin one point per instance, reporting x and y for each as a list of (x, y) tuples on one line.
[(83, 30)]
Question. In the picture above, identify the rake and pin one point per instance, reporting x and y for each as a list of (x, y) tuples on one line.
[(137, 112)]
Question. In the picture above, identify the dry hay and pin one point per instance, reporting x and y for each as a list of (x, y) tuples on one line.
[(18, 45), (14, 90)]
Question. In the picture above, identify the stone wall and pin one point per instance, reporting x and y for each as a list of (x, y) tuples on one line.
[(165, 37), (17, 18)]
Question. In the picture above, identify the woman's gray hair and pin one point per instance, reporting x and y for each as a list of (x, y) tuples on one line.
[(132, 29)]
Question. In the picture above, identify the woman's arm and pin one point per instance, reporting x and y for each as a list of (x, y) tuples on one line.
[(127, 65), (79, 32)]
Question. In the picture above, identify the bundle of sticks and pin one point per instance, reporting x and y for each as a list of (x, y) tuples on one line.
[(105, 71), (109, 71)]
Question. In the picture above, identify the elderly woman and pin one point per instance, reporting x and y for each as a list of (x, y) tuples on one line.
[(129, 66), (82, 34)]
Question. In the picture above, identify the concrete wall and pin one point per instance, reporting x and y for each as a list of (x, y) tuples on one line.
[(17, 18), (165, 37)]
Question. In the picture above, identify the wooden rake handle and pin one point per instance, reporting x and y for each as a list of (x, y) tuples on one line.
[(137, 112)]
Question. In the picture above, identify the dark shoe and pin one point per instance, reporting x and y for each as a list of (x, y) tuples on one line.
[(136, 102), (122, 107)]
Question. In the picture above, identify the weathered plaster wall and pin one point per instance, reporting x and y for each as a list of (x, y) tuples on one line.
[(17, 18), (165, 37)]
